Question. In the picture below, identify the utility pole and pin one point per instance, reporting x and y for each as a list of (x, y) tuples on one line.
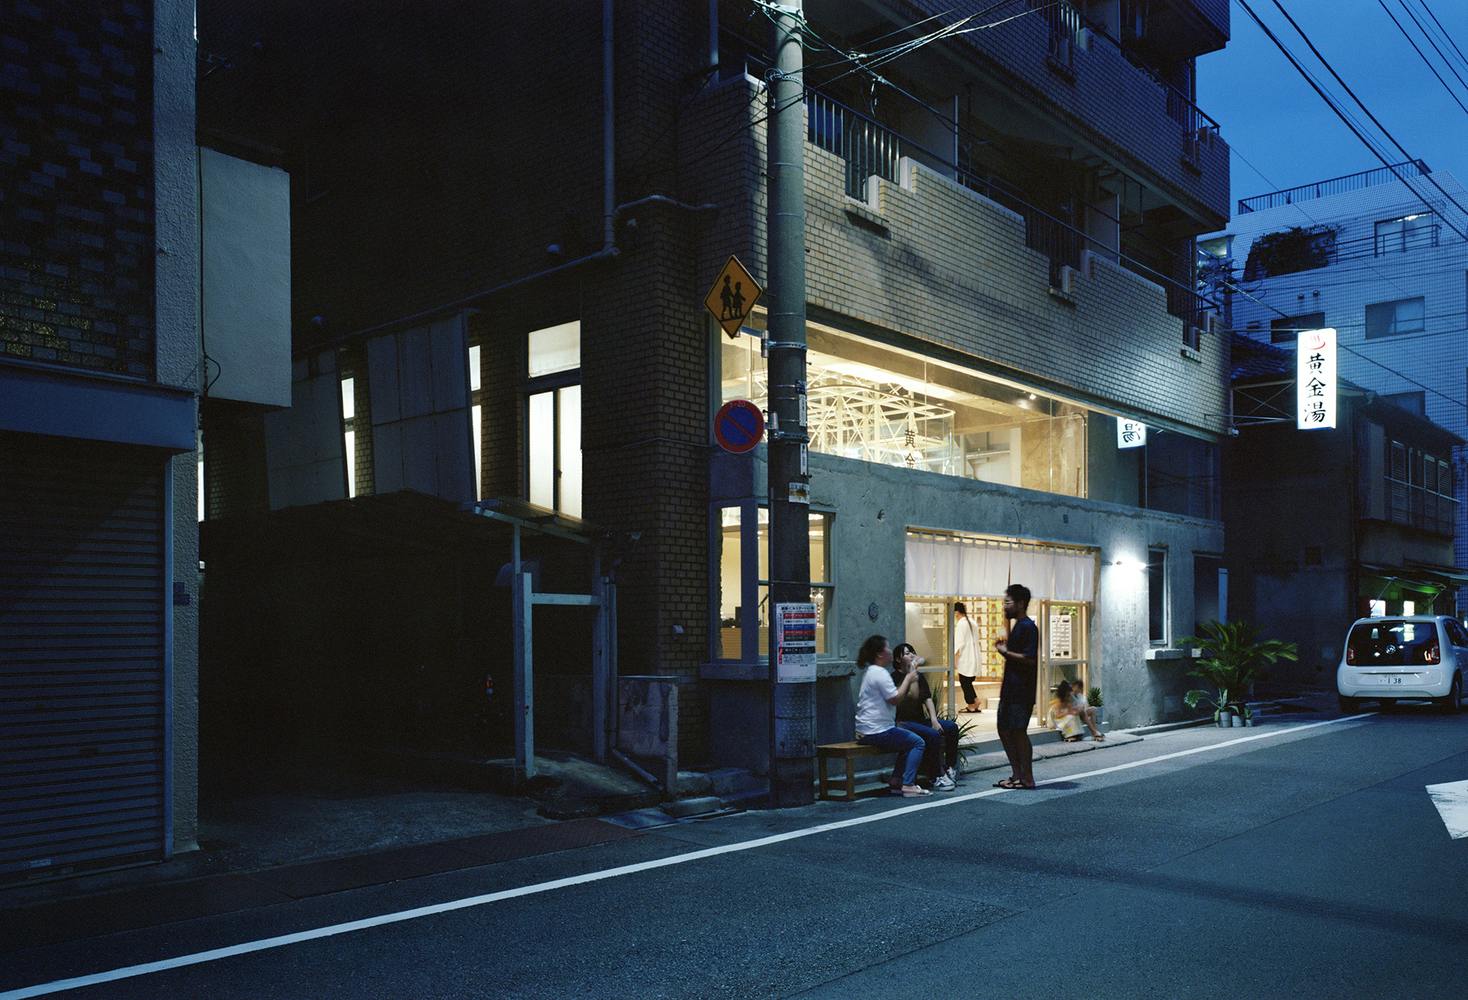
[(792, 704)]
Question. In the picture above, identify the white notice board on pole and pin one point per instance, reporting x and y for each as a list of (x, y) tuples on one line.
[(795, 643)]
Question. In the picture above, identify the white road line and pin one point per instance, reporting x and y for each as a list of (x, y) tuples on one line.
[(1451, 799), (333, 930)]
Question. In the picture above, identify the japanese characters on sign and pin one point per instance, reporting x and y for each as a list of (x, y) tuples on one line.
[(1315, 379), (795, 643), (1130, 433)]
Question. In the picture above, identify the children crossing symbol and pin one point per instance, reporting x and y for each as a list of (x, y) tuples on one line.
[(733, 296)]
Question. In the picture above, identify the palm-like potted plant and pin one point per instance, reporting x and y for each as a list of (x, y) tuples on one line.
[(1232, 658)]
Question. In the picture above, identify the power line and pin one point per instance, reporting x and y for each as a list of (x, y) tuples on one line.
[(1446, 36), (1347, 87), (1422, 55)]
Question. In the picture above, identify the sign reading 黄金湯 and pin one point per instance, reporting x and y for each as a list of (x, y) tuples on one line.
[(1315, 380), (733, 296)]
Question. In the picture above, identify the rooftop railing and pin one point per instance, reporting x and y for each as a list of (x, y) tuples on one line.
[(1406, 170)]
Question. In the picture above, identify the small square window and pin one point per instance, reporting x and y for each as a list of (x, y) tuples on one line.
[(1393, 319)]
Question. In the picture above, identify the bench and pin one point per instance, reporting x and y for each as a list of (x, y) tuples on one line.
[(849, 752)]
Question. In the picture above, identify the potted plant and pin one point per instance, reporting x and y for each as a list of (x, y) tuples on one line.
[(1232, 658), (1093, 698)]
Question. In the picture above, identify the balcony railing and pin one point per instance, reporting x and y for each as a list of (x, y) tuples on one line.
[(1406, 170)]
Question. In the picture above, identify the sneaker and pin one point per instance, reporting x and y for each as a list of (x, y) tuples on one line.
[(943, 783), (952, 775)]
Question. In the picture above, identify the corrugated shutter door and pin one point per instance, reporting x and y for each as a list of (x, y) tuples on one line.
[(82, 635)]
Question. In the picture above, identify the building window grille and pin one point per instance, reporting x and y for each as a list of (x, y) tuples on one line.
[(553, 418), (1410, 232), (1394, 319), (476, 415), (1419, 489)]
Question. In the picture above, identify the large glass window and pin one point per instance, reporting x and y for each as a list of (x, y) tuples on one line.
[(738, 622), (882, 404), (553, 418)]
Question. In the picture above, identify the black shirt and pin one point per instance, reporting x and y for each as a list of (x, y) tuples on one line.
[(913, 707), (1020, 678)]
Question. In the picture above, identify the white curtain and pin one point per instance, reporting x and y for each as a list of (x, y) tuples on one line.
[(945, 566)]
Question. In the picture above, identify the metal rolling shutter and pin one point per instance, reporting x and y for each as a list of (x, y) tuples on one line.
[(82, 654)]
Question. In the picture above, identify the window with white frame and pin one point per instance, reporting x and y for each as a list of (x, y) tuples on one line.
[(476, 416), (1393, 319), (349, 432), (743, 586), (1406, 233), (553, 418)]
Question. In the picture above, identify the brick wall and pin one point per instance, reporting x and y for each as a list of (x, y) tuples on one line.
[(234, 460), (76, 219)]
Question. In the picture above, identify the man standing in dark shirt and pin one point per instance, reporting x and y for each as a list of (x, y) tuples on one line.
[(1017, 694)]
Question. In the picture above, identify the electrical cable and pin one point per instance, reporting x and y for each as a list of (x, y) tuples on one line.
[(1446, 36), (1347, 87), (1423, 56)]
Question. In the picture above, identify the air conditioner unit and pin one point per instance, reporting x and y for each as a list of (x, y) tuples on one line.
[(1066, 279), (1212, 323)]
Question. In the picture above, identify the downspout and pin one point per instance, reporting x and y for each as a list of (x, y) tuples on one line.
[(608, 127)]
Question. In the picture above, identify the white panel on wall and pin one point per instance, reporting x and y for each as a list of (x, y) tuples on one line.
[(303, 445), (246, 313), (421, 428)]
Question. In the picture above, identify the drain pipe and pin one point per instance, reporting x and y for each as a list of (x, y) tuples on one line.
[(608, 126)]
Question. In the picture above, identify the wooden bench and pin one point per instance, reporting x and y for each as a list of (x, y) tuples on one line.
[(849, 752)]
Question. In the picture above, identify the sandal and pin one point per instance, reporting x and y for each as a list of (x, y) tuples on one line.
[(915, 792), (1007, 783), (966, 710)]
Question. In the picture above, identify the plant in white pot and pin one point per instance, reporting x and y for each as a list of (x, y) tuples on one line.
[(1232, 657)]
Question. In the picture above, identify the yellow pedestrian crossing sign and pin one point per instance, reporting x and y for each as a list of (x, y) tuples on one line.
[(733, 296)]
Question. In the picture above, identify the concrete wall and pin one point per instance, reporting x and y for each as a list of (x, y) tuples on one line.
[(177, 322), (874, 506)]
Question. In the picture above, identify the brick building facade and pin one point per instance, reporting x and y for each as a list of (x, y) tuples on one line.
[(448, 183)]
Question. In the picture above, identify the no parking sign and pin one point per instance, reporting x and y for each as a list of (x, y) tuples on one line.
[(739, 426)]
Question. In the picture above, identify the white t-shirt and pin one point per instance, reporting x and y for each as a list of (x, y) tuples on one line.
[(965, 647), (874, 713)]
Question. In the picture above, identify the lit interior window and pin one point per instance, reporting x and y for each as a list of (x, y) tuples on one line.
[(555, 349)]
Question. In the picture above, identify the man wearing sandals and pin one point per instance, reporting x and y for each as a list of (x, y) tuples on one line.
[(1017, 693)]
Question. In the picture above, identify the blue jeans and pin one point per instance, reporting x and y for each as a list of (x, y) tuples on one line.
[(940, 747), (908, 746)]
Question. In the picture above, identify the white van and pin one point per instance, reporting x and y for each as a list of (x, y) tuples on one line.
[(1408, 656)]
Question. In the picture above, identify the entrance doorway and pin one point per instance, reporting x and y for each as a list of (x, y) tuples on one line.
[(944, 570)]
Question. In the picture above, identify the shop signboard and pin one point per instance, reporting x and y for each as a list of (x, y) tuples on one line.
[(1130, 433), (795, 643), (1062, 633), (1315, 380)]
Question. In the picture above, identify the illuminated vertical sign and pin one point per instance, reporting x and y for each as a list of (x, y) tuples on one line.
[(1315, 379), (1130, 433)]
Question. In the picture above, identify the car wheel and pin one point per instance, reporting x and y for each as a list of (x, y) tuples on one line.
[(1452, 703), (1350, 706)]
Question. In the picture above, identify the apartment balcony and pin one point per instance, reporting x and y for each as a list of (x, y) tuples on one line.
[(1061, 81)]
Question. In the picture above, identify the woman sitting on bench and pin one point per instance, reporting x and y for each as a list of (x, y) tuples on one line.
[(876, 715)]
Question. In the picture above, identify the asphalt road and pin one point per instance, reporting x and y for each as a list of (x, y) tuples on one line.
[(1302, 862)]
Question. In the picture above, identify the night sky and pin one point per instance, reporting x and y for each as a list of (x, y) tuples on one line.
[(1272, 118)]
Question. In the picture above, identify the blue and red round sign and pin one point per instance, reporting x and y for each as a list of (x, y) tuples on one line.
[(738, 426)]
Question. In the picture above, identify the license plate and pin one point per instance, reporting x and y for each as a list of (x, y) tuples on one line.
[(1391, 680)]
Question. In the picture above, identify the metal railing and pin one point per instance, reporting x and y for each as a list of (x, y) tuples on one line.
[(1405, 170), (869, 148)]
